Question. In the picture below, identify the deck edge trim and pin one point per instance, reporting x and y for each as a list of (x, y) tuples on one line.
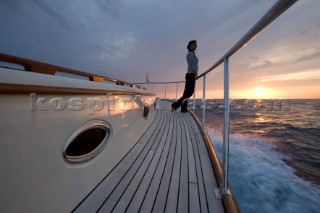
[(229, 202)]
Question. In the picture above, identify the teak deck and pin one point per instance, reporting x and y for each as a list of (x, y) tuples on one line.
[(168, 170)]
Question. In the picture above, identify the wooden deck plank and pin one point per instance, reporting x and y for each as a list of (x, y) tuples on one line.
[(172, 198), (214, 204), (194, 198), (168, 170), (105, 188), (119, 190), (152, 191), (208, 176), (183, 202), (140, 193), (161, 199), (201, 187), (125, 197), (191, 158)]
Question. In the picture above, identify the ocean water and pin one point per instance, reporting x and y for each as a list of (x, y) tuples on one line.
[(274, 163)]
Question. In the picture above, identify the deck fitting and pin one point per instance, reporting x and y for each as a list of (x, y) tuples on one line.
[(219, 192)]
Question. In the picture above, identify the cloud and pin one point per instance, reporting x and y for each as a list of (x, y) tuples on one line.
[(276, 59), (128, 39), (305, 75), (116, 48), (53, 12), (112, 7), (15, 8), (259, 63), (310, 55)]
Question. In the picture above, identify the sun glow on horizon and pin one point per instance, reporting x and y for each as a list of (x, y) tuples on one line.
[(259, 92), (255, 92)]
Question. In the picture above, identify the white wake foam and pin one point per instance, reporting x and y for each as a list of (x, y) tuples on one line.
[(261, 180)]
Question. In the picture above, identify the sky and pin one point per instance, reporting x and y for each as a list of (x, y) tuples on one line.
[(128, 39)]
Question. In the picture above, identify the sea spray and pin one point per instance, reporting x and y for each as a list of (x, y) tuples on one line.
[(261, 180)]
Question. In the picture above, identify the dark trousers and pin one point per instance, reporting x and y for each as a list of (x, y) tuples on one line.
[(188, 92)]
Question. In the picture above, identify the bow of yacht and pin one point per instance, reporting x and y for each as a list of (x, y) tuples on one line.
[(86, 146), (71, 141)]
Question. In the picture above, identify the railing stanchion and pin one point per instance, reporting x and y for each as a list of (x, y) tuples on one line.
[(165, 92), (225, 155), (177, 91), (204, 102)]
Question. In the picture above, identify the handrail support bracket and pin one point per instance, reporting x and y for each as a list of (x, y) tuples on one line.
[(219, 192)]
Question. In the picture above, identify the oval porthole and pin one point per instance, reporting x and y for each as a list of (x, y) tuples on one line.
[(87, 142)]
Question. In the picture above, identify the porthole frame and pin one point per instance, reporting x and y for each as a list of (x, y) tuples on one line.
[(100, 124)]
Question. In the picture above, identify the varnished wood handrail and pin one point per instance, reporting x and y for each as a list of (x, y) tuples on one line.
[(39, 67)]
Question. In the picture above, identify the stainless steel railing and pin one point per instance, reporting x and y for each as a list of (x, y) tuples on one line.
[(272, 14), (163, 83)]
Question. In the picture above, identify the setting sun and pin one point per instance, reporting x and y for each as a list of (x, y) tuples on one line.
[(264, 93), (260, 92)]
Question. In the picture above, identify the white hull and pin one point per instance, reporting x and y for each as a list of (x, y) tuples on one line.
[(34, 133)]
